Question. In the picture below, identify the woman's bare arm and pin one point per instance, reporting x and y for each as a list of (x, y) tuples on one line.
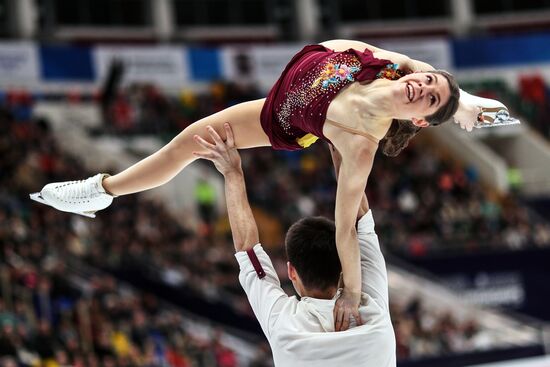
[(403, 60), (357, 158), (337, 161), (342, 45)]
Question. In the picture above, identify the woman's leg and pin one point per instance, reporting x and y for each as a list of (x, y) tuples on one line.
[(163, 165)]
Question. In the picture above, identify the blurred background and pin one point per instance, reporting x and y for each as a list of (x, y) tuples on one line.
[(92, 86)]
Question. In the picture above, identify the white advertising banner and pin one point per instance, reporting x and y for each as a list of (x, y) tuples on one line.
[(261, 65), (434, 51), (166, 66), (19, 63)]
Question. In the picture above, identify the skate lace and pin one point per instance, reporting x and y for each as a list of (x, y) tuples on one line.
[(80, 189)]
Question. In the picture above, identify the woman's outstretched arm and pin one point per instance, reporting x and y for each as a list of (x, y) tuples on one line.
[(403, 60)]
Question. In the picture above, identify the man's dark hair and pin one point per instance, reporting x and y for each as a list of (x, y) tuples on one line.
[(311, 248)]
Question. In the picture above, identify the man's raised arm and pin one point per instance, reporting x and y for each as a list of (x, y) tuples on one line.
[(227, 160), (257, 274)]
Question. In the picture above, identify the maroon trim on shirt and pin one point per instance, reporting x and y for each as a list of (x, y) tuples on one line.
[(256, 263)]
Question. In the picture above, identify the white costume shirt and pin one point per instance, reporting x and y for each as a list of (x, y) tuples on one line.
[(301, 333)]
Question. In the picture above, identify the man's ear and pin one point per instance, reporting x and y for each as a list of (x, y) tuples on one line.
[(291, 270), (420, 122)]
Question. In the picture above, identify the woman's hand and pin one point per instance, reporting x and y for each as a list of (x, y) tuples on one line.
[(224, 155), (347, 305)]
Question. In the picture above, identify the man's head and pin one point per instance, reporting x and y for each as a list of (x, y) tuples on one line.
[(313, 263)]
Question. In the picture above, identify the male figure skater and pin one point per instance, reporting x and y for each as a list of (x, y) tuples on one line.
[(301, 330)]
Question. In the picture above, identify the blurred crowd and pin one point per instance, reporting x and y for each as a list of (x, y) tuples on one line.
[(51, 322), (424, 202), (50, 315), (530, 102), (535, 97), (420, 332), (144, 109), (53, 315)]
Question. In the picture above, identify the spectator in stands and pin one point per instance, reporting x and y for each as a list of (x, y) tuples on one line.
[(303, 332), (205, 197)]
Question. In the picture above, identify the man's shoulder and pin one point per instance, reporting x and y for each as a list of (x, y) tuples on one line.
[(365, 224)]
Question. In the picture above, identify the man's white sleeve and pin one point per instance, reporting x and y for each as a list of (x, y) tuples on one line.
[(374, 276), (262, 286)]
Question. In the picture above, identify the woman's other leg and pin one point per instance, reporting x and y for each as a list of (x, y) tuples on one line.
[(167, 162)]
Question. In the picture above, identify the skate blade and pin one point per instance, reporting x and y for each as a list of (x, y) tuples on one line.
[(36, 196)]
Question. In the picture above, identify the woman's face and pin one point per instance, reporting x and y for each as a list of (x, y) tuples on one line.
[(418, 95)]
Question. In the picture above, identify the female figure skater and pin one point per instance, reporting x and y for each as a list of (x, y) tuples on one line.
[(347, 93)]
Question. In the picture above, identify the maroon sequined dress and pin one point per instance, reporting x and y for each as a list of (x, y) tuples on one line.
[(298, 102)]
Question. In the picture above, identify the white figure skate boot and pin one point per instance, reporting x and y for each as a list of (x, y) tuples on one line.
[(83, 197), (493, 113)]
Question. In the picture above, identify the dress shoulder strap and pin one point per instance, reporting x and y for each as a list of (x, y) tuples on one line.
[(354, 131)]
